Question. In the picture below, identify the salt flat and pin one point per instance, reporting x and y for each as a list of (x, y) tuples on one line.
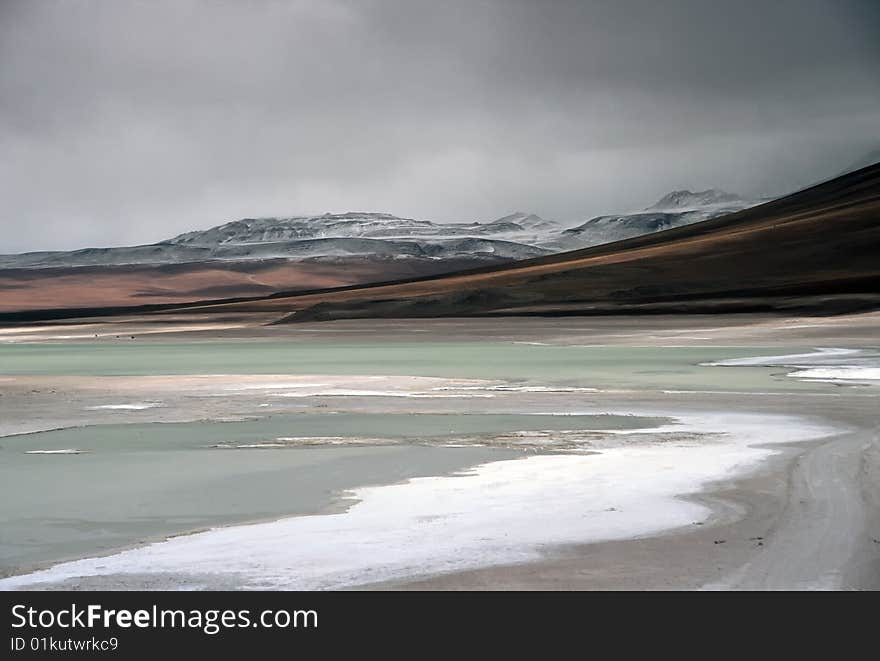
[(545, 454)]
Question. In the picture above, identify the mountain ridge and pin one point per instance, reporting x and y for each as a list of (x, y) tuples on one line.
[(686, 199), (354, 224), (252, 257), (675, 209), (813, 250)]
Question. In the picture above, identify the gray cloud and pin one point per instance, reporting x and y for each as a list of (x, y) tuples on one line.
[(129, 121)]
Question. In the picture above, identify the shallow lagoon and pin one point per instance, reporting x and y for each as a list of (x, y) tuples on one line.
[(587, 366), (143, 481), (140, 481)]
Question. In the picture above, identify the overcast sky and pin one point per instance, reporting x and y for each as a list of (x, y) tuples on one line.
[(129, 121)]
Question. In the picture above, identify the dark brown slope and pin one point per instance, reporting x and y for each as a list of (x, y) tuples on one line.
[(818, 250), (71, 290)]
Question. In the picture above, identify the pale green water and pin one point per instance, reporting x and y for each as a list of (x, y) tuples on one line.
[(140, 481), (145, 480), (56, 507), (193, 435), (603, 367)]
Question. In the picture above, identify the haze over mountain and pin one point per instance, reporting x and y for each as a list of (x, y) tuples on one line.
[(676, 209), (124, 123), (871, 158), (685, 199)]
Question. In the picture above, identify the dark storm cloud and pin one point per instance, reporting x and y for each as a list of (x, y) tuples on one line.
[(128, 121)]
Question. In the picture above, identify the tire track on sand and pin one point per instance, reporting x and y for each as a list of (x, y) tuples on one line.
[(823, 527)]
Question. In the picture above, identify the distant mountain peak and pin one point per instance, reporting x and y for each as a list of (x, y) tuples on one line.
[(358, 215), (517, 227), (528, 221), (685, 199)]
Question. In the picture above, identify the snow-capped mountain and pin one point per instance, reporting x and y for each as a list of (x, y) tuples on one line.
[(263, 256), (339, 238), (685, 199), (327, 237), (675, 209), (359, 225), (524, 221)]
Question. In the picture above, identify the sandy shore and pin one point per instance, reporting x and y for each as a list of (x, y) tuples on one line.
[(806, 516)]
